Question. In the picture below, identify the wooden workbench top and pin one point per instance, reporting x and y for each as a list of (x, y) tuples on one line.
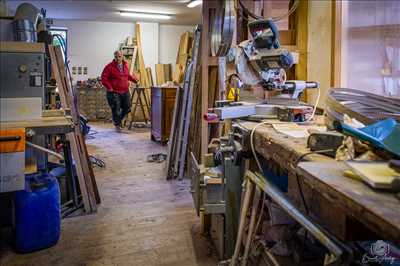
[(378, 210), (285, 150), (42, 122), (338, 197)]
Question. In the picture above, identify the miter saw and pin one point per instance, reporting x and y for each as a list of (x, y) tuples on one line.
[(269, 60), (261, 62)]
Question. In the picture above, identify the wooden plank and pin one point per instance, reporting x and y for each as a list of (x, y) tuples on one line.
[(300, 22), (319, 61), (144, 82), (86, 164), (336, 49), (149, 76), (185, 44), (213, 86), (205, 53), (163, 73), (172, 134), (133, 60), (195, 65), (287, 37), (179, 72), (79, 152)]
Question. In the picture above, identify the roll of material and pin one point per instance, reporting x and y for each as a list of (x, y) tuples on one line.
[(366, 107)]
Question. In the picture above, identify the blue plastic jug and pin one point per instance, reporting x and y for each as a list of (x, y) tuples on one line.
[(37, 213)]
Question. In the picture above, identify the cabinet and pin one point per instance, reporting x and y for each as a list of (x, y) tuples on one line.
[(162, 110)]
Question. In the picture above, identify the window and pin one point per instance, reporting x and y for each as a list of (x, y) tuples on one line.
[(370, 46), (60, 37)]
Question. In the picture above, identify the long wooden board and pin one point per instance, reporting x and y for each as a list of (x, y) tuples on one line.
[(90, 195)]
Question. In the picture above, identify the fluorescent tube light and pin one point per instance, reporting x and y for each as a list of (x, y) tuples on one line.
[(144, 15), (194, 3)]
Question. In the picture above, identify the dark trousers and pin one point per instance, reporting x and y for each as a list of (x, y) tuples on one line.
[(120, 105)]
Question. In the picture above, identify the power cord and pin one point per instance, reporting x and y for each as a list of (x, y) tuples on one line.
[(315, 106), (97, 162), (275, 19)]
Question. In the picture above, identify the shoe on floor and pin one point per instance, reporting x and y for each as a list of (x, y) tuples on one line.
[(118, 128)]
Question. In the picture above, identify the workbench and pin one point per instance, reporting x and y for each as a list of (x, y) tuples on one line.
[(51, 124), (347, 208)]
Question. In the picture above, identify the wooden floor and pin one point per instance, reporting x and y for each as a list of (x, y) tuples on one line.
[(143, 219)]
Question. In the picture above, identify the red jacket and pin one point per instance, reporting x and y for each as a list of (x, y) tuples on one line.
[(115, 80)]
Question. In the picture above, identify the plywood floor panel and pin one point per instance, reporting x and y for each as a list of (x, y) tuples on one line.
[(143, 219)]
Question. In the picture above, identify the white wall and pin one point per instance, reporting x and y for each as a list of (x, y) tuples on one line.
[(169, 42), (150, 41), (92, 44)]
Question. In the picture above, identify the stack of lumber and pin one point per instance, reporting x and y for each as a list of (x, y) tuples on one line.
[(184, 116), (86, 178), (163, 73), (183, 55)]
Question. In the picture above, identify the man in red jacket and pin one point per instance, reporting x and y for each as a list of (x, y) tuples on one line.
[(115, 78)]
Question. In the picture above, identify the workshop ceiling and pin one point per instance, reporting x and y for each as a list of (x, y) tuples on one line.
[(108, 10)]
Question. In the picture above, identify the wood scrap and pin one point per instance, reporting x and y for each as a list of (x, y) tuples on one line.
[(376, 174), (179, 71), (185, 46), (163, 73), (149, 76), (183, 56)]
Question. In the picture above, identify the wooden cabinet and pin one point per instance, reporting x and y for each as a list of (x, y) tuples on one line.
[(162, 110)]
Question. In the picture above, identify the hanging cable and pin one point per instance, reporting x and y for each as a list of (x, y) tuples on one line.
[(290, 12), (96, 161), (315, 106), (275, 19), (66, 61)]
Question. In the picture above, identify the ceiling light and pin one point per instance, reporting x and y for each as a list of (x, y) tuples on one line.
[(144, 15), (194, 3)]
